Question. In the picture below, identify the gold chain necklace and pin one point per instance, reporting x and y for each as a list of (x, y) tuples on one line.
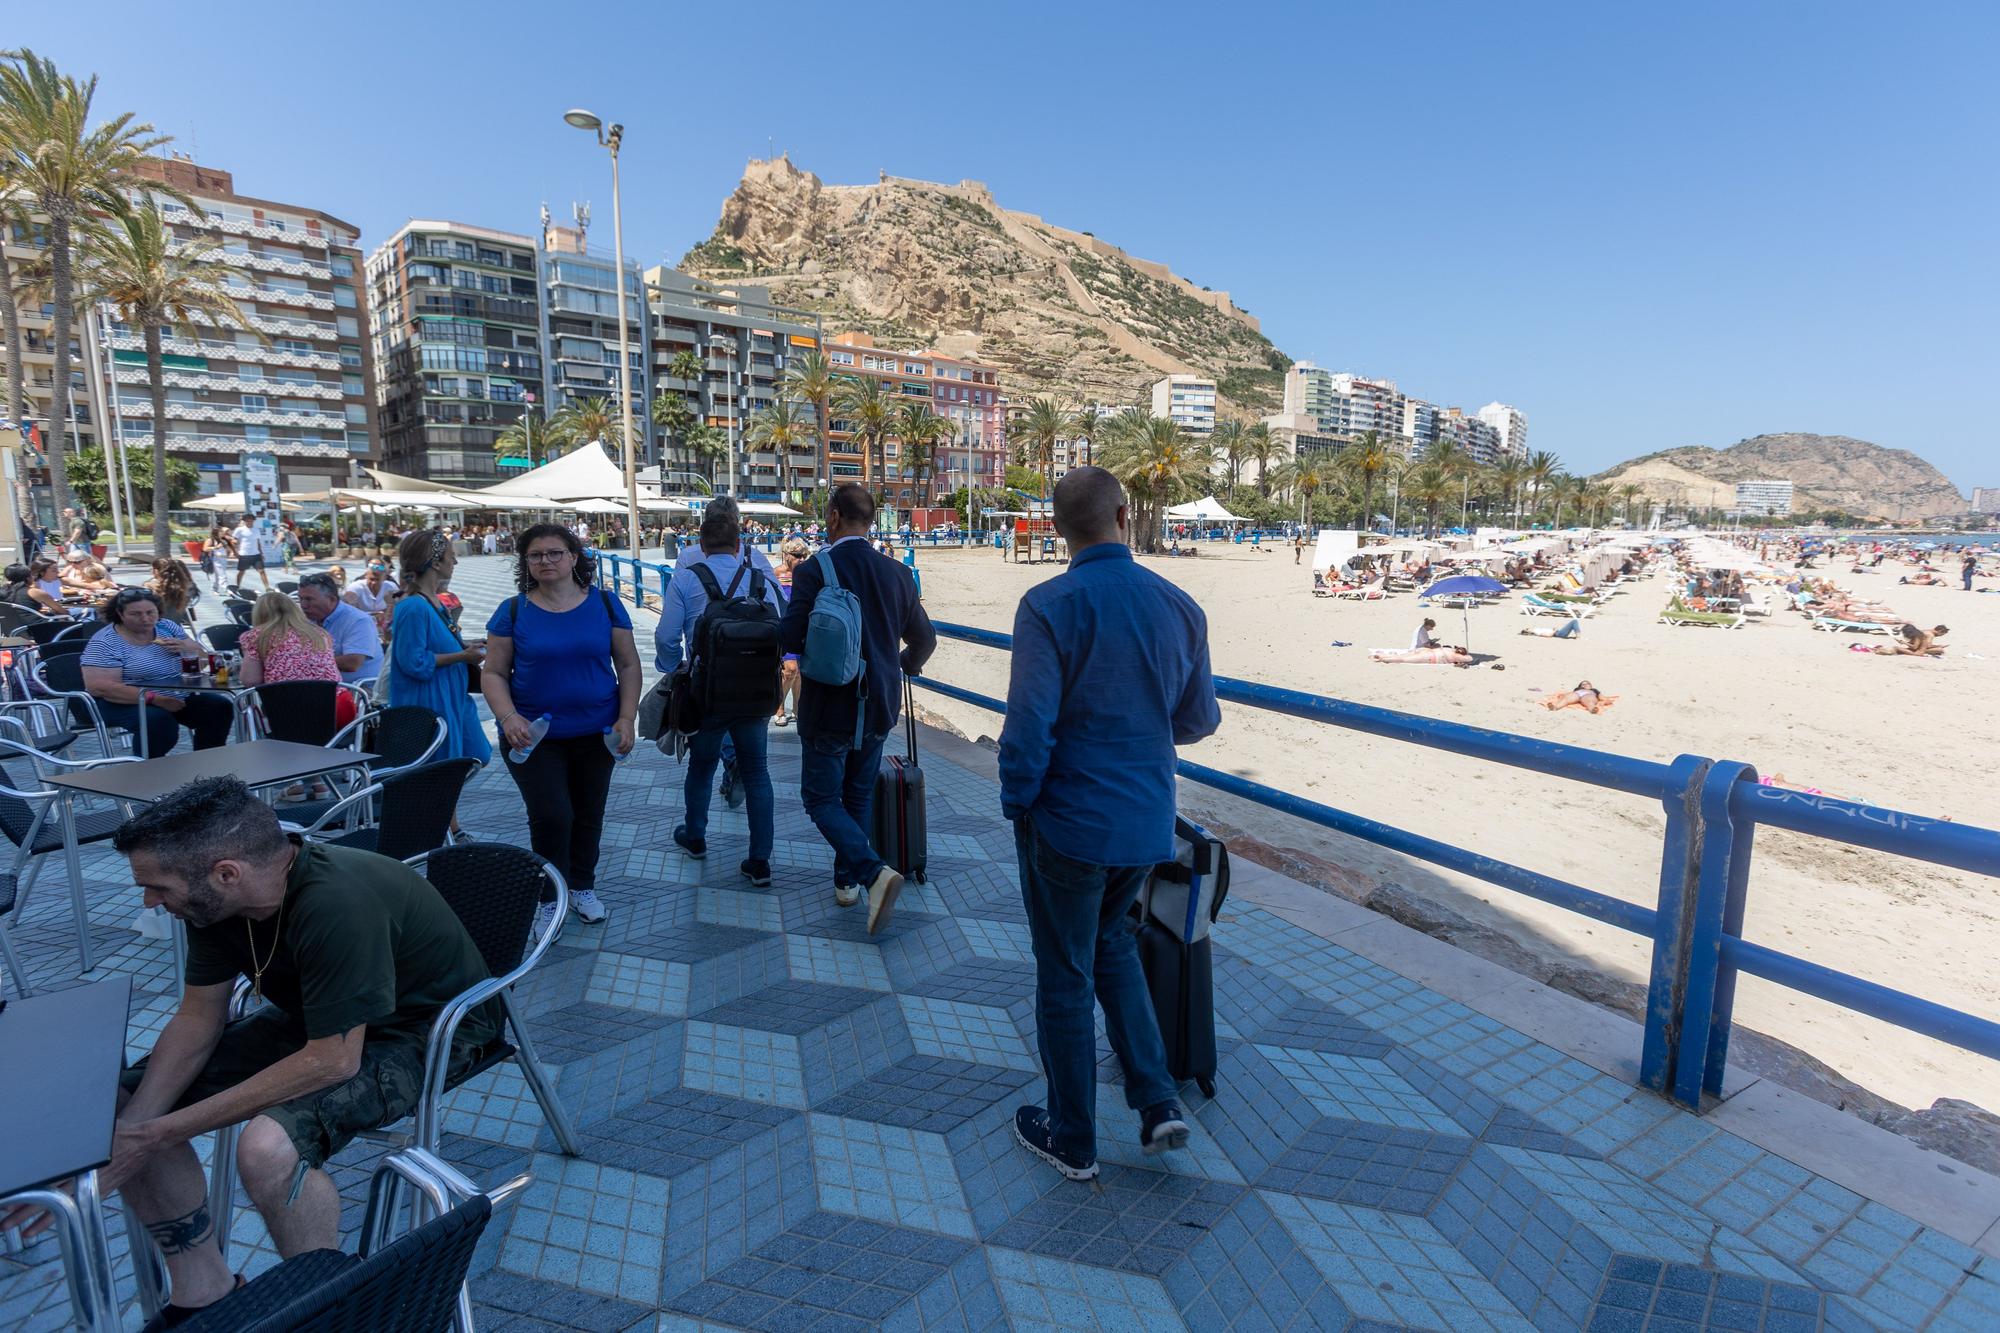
[(257, 968)]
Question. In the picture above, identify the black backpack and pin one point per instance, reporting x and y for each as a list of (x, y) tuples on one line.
[(735, 660), (90, 530)]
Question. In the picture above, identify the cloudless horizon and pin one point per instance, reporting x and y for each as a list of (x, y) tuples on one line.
[(1643, 227)]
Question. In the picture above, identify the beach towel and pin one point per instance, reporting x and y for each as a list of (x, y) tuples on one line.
[(1417, 656)]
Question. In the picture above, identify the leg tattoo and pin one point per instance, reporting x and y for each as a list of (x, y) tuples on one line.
[(177, 1235)]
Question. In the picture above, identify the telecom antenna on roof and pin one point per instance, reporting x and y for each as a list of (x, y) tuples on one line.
[(581, 212)]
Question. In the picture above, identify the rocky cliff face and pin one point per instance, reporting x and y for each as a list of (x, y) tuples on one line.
[(1827, 472), (944, 266)]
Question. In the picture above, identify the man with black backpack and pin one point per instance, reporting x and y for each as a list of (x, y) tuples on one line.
[(858, 628), (720, 620)]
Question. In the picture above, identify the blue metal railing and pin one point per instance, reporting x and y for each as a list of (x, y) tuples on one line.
[(1712, 809)]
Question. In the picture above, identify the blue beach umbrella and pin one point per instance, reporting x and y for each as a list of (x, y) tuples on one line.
[(1467, 586)]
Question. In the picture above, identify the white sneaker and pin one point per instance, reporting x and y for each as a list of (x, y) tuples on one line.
[(588, 907), (882, 897), (847, 894), (545, 916)]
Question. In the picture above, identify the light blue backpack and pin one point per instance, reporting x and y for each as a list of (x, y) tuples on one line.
[(833, 631)]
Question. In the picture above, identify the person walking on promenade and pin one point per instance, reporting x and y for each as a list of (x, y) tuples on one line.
[(1110, 672), (562, 648), (249, 543), (428, 664), (719, 572), (842, 727)]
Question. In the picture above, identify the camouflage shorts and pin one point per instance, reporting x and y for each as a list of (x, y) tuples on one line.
[(319, 1124)]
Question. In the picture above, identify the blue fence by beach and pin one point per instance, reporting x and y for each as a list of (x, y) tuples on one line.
[(1713, 808)]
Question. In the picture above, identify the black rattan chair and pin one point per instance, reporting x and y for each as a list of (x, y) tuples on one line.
[(400, 739), (296, 710), (29, 821), (415, 811), (411, 1285), (58, 673), (43, 630), (223, 638), (287, 586), (14, 617)]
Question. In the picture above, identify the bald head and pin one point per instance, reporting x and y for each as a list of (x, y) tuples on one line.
[(1088, 501)]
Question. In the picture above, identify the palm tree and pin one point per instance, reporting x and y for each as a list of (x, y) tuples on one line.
[(1260, 447), (1226, 442), (1508, 474), (10, 307), (1084, 424), (810, 379), (707, 445), (519, 439), (918, 429), (1157, 461), (578, 422), (868, 409), (1036, 432), (1367, 458), (1458, 466), (778, 428), (1428, 485), (1627, 494), (674, 414), (134, 264), (68, 172), (1542, 468)]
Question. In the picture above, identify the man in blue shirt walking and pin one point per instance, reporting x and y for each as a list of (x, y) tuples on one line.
[(1110, 673)]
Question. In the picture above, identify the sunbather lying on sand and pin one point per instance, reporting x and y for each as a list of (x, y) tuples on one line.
[(1913, 642), (1584, 696), (1569, 630), (1422, 656)]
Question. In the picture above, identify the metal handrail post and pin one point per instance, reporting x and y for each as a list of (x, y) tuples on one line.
[(1680, 869), (1702, 1051), (1720, 824)]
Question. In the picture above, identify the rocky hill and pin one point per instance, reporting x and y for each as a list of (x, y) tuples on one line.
[(1827, 472), (944, 266)]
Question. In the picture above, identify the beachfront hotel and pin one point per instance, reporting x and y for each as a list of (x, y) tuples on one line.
[(1762, 498), (1511, 425), (745, 345), (580, 312), (1187, 400), (1344, 406), (304, 390), (965, 392), (455, 322)]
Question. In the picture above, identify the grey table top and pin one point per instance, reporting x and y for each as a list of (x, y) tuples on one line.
[(257, 763), (63, 1052)]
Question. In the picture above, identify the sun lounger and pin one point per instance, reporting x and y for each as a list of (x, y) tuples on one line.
[(1835, 625), (1361, 594), (1708, 619), (1532, 604)]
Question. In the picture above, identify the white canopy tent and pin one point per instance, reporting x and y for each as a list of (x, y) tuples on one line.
[(593, 507), (231, 502), (584, 473), (1208, 509)]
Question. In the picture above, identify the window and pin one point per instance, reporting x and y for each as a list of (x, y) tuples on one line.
[(342, 266), (256, 432), (343, 297), (289, 345), (357, 415), (349, 326), (255, 402), (357, 440), (842, 358), (351, 384), (350, 357), (250, 372)]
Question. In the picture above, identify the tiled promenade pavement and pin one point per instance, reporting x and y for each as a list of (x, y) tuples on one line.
[(788, 1124)]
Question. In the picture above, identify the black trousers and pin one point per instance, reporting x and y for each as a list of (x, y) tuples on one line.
[(564, 784), (208, 717)]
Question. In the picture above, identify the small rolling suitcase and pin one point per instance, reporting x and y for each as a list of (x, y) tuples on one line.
[(1174, 912), (902, 829)]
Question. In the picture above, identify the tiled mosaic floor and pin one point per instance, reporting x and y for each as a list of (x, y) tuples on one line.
[(789, 1124)]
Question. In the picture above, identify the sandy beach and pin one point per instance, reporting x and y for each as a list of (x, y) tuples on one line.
[(1912, 734)]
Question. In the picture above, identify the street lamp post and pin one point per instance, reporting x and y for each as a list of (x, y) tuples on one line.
[(612, 139)]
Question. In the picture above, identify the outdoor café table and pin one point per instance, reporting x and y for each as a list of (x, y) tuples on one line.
[(63, 1053), (256, 763), (201, 684)]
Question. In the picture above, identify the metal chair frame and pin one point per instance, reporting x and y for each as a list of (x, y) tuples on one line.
[(26, 859)]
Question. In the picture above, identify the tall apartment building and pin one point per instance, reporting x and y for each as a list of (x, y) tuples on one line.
[(1986, 499), (580, 314), (1477, 438), (1075, 451), (1188, 400), (1511, 425), (1309, 392), (1763, 497), (963, 391), (745, 346), (455, 322), (25, 242), (304, 391)]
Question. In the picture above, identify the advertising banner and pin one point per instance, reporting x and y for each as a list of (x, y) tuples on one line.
[(260, 498)]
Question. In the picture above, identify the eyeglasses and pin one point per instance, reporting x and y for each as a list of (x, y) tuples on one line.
[(548, 557)]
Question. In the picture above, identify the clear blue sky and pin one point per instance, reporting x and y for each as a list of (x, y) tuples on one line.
[(1644, 225)]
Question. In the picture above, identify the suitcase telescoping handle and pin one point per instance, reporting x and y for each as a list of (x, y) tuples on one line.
[(910, 716)]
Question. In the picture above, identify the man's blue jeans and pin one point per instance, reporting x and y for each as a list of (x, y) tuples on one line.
[(749, 739), (1083, 950), (837, 785)]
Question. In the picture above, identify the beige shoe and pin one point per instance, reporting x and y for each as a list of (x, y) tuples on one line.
[(882, 897), (846, 895)]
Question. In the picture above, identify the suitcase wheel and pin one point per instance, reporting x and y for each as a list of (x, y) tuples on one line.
[(917, 875), (1206, 1084)]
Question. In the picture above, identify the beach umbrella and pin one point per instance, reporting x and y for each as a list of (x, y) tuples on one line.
[(1467, 586)]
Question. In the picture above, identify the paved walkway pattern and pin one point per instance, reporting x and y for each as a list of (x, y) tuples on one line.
[(789, 1124)]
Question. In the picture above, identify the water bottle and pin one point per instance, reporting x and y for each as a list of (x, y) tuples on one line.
[(611, 744), (536, 730)]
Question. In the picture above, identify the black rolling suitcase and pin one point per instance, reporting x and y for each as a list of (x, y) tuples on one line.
[(1174, 912), (902, 829)]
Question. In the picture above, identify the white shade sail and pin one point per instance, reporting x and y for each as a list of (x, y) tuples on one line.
[(1208, 509), (584, 473)]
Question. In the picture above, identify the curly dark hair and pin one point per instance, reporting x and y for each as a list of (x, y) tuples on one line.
[(584, 571), (113, 611)]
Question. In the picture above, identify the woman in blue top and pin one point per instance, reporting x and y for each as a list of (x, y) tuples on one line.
[(427, 663), (562, 649)]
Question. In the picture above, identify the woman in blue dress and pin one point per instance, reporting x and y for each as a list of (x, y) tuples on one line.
[(427, 661)]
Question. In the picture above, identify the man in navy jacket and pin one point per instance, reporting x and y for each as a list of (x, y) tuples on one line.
[(837, 776)]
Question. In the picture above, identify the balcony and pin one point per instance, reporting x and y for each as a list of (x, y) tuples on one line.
[(279, 296), (284, 326), (292, 268), (247, 416), (181, 379), (239, 227), (234, 445), (255, 353)]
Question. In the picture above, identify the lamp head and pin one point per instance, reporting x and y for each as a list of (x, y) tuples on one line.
[(582, 119)]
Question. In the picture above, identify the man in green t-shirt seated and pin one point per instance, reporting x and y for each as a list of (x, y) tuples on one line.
[(354, 955)]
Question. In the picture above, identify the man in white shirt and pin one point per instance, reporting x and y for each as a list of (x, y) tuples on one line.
[(249, 550), (357, 643)]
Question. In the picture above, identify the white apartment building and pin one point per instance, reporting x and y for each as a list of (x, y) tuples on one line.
[(1188, 400), (1476, 437), (1511, 425), (1986, 499), (1763, 497), (1079, 452)]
